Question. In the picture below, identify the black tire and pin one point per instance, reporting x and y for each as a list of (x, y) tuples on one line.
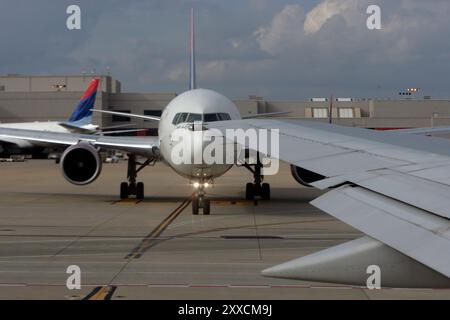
[(195, 207), (265, 191), (206, 207), (140, 191), (124, 190), (250, 191)]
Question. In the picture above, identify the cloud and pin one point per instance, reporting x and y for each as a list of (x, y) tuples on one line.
[(280, 49), (285, 30), (318, 16), (329, 48)]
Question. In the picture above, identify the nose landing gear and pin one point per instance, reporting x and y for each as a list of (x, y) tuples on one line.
[(200, 201)]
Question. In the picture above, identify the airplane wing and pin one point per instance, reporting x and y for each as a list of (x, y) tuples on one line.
[(426, 131), (143, 146), (392, 186)]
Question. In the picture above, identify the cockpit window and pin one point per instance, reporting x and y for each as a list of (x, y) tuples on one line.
[(175, 120), (224, 116), (182, 118), (194, 117), (211, 117)]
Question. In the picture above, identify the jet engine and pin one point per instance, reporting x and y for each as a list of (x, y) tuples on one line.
[(305, 177), (81, 164)]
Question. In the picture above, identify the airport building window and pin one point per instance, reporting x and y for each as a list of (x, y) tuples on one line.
[(116, 118), (320, 113), (346, 113)]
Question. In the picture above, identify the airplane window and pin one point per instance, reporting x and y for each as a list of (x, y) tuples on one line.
[(175, 120), (211, 117), (194, 117), (182, 118), (224, 116)]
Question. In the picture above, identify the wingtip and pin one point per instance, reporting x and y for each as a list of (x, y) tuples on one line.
[(271, 272), (288, 270)]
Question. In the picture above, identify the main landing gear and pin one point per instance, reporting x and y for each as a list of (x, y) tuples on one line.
[(200, 201), (131, 187), (257, 188)]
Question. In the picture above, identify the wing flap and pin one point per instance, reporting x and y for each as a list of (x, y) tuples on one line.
[(410, 230), (417, 192)]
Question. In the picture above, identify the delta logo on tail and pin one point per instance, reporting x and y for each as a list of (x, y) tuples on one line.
[(83, 111)]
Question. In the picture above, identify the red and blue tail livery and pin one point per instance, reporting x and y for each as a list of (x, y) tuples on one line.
[(83, 111)]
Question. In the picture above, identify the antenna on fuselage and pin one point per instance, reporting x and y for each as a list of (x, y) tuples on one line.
[(192, 71)]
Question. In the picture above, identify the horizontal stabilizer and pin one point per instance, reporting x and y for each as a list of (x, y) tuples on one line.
[(266, 115), (122, 131), (76, 129), (128, 115), (348, 264)]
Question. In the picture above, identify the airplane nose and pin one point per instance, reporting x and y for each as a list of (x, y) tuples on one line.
[(198, 147)]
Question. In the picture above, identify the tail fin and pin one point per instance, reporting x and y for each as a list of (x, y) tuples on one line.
[(83, 112), (192, 71)]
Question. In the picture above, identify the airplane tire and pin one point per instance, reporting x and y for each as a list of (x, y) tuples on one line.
[(195, 207), (124, 190), (206, 207), (250, 191), (265, 191), (140, 191)]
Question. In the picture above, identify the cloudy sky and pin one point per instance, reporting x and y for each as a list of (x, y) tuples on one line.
[(278, 49)]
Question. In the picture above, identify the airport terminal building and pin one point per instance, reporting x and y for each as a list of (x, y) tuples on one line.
[(49, 98)]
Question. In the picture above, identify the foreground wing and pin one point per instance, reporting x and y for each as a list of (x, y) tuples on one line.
[(395, 188), (144, 146)]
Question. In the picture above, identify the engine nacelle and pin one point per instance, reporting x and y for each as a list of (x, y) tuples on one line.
[(305, 177), (81, 164)]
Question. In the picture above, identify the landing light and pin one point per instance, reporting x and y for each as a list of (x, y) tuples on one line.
[(198, 185)]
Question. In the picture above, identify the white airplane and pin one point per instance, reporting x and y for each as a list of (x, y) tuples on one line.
[(393, 186), (80, 121)]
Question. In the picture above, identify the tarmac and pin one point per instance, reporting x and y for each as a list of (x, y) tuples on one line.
[(156, 249)]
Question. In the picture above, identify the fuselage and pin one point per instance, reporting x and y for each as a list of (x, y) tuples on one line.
[(180, 116)]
